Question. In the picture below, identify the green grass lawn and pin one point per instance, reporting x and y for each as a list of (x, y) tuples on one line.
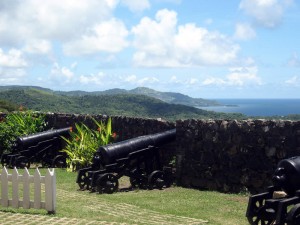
[(174, 205)]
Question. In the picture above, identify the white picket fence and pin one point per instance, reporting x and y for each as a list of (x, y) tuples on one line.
[(11, 183)]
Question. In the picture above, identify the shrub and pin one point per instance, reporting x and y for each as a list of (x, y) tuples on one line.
[(19, 124), (84, 142)]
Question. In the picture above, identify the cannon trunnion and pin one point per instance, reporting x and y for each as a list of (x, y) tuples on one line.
[(42, 147), (137, 158), (280, 204)]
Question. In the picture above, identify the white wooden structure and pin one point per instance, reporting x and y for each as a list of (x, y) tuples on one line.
[(13, 182)]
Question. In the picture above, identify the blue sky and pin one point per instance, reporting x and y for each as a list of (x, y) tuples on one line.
[(206, 49)]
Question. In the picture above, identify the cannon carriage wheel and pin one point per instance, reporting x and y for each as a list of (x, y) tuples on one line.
[(22, 162), (84, 181), (59, 161), (260, 221), (107, 183), (156, 179), (293, 216), (138, 179), (45, 160), (260, 215)]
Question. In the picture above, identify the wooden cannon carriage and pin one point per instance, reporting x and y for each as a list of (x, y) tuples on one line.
[(137, 158), (43, 147)]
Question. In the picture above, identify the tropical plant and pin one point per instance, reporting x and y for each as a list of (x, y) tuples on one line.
[(84, 142), (19, 124)]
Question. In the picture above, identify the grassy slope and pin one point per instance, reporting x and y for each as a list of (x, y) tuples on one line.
[(136, 207)]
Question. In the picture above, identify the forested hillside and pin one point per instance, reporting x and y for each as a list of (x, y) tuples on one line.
[(6, 106), (168, 97), (116, 104)]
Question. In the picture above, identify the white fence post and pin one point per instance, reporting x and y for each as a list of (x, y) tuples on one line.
[(50, 188), (26, 189), (26, 179), (37, 189), (4, 187), (15, 188)]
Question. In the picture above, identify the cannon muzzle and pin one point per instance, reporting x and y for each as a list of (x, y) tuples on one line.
[(287, 175)]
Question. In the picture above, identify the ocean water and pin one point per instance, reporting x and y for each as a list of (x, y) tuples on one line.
[(257, 107)]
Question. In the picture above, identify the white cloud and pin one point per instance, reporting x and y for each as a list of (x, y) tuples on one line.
[(112, 3), (160, 42), (61, 75), (13, 58), (238, 76), (241, 76), (12, 67), (50, 19), (193, 81), (136, 5), (268, 13), (144, 81), (38, 47), (153, 39), (293, 81), (130, 78), (174, 80), (244, 31), (10, 76), (97, 79), (108, 36), (147, 81), (214, 81), (198, 46), (110, 80)]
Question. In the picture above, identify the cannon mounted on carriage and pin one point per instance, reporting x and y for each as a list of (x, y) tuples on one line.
[(43, 147), (137, 158), (280, 204)]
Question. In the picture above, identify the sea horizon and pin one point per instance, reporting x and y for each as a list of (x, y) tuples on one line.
[(257, 107)]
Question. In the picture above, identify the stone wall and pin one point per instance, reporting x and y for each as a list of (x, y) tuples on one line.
[(232, 156), (227, 156)]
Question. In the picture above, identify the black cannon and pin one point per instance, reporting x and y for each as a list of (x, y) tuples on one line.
[(137, 158), (43, 147), (280, 204)]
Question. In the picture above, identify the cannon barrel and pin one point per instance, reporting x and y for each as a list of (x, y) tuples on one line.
[(42, 136), (287, 175), (109, 153)]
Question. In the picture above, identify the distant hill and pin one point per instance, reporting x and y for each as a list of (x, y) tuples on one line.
[(117, 102), (19, 87), (114, 91), (169, 97), (174, 98)]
